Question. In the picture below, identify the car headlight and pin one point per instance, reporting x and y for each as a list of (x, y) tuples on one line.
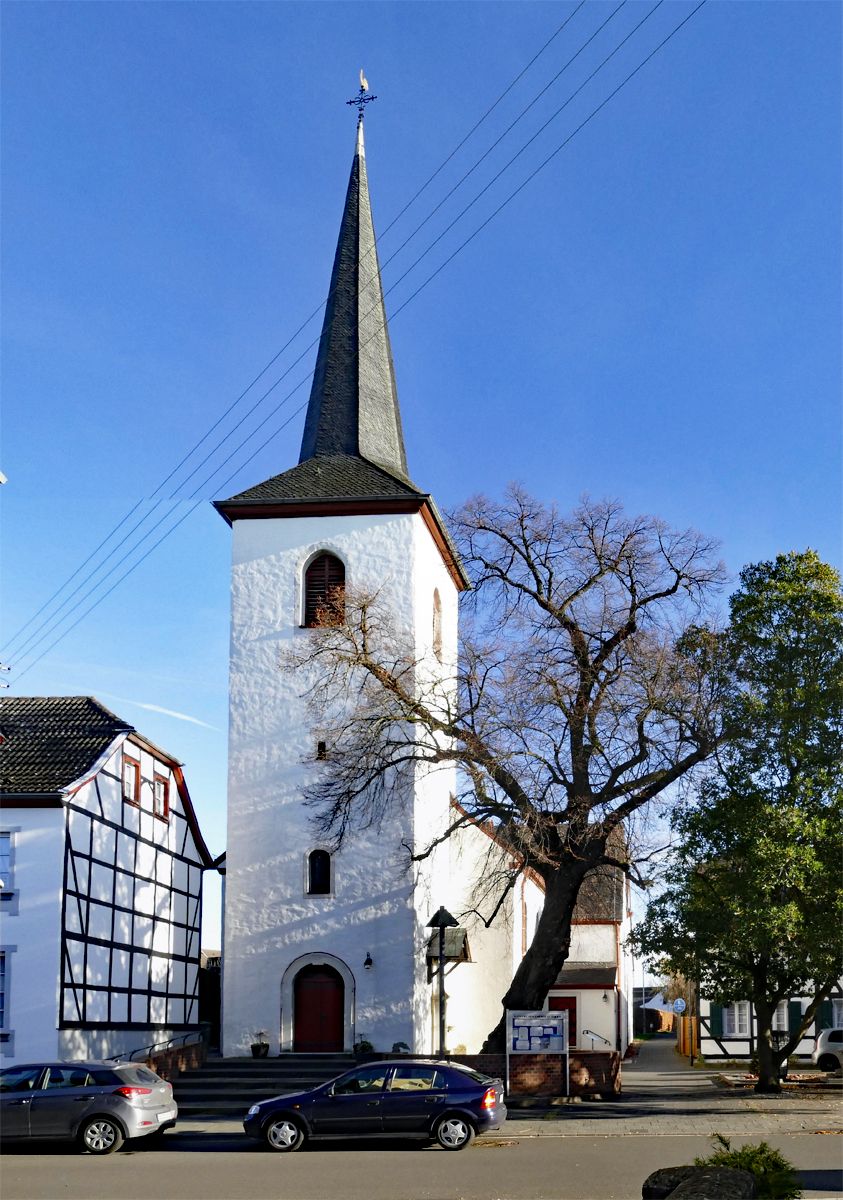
[(255, 1108)]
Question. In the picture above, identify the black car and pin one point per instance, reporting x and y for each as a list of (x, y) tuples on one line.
[(437, 1101)]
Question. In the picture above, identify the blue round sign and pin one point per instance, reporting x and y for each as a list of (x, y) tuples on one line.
[(678, 1005)]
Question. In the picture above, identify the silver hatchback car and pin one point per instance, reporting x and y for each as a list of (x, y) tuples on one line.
[(96, 1104)]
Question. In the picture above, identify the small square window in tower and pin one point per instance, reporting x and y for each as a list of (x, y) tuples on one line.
[(324, 584)]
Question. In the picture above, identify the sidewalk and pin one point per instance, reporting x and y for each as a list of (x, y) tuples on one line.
[(662, 1095)]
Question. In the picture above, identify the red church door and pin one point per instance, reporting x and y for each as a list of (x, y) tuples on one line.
[(318, 998)]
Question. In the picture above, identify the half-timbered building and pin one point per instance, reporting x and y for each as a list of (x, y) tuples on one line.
[(731, 1031), (101, 860)]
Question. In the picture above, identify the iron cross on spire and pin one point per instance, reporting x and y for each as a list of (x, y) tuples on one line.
[(362, 99)]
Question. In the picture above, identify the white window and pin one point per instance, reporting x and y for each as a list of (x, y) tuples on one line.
[(5, 860), (736, 1019), (131, 780), (837, 1020), (162, 798), (780, 1017)]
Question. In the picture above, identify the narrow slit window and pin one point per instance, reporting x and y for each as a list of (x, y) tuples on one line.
[(131, 780), (318, 873), (324, 584), (162, 798), (437, 624)]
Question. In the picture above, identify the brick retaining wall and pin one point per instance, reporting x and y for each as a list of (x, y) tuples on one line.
[(170, 1063), (542, 1074)]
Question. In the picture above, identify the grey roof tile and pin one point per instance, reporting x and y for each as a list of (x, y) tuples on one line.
[(334, 476), (49, 741)]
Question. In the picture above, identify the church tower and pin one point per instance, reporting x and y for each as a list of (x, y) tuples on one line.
[(322, 949)]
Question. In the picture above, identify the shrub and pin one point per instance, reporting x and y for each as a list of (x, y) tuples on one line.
[(776, 1177)]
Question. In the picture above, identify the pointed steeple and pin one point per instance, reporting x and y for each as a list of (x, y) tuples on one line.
[(353, 407)]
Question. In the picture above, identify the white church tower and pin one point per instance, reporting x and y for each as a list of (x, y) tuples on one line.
[(323, 949)]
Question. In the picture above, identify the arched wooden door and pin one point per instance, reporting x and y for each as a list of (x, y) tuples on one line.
[(318, 1004)]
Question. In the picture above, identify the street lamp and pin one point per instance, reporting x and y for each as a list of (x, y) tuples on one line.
[(442, 920)]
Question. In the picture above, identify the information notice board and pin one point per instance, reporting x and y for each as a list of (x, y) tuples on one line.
[(537, 1032)]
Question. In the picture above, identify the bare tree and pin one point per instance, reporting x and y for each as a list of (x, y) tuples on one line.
[(579, 697)]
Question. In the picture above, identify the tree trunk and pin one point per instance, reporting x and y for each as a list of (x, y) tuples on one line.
[(548, 951), (769, 1059)]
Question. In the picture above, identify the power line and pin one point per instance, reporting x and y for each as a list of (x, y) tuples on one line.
[(143, 557), (288, 343), (71, 578), (418, 290)]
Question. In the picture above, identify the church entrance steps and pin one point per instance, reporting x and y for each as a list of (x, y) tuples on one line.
[(229, 1086)]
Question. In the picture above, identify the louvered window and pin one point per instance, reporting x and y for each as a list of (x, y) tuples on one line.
[(323, 584)]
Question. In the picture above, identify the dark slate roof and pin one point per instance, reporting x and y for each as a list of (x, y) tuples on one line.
[(353, 405), (332, 476), (601, 895), (456, 945), (49, 741), (592, 974)]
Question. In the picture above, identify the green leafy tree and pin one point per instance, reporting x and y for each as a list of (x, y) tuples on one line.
[(753, 903)]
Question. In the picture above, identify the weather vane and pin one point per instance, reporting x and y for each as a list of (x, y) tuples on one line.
[(362, 99)]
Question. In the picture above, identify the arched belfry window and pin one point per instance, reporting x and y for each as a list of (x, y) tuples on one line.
[(318, 873), (324, 582), (437, 624)]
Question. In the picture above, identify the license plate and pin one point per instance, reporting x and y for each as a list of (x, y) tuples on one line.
[(167, 1116)]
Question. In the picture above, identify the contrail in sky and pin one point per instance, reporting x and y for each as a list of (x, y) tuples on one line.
[(157, 708)]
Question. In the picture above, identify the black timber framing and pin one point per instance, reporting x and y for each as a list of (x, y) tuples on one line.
[(79, 894)]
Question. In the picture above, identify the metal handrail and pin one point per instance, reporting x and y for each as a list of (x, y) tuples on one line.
[(593, 1036), (200, 1035)]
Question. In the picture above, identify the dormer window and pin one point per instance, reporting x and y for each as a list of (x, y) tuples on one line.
[(324, 583), (318, 873)]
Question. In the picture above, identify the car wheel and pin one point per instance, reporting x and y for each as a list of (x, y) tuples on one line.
[(100, 1136), (284, 1135), (828, 1062), (454, 1133)]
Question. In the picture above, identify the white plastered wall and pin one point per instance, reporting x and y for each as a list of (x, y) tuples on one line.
[(31, 933), (376, 907)]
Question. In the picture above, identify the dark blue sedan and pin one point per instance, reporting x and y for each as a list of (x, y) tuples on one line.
[(437, 1101)]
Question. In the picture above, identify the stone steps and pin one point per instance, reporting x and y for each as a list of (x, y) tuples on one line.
[(229, 1086)]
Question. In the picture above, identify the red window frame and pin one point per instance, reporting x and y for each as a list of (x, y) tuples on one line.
[(131, 762), (165, 815)]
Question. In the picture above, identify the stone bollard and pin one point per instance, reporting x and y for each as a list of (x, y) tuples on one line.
[(700, 1183)]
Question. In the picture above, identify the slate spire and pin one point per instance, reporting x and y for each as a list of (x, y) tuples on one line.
[(353, 407)]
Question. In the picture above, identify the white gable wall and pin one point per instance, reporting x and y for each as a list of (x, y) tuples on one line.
[(31, 933), (374, 908)]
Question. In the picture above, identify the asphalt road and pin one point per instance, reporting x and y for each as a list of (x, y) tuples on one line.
[(512, 1166)]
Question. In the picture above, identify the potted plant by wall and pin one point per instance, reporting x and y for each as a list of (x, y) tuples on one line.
[(260, 1046)]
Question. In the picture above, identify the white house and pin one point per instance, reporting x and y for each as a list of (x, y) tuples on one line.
[(323, 949), (731, 1031), (101, 863)]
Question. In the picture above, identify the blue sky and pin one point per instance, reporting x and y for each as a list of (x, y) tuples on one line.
[(655, 316)]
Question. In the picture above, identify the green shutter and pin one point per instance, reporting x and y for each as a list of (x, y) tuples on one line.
[(715, 1019), (825, 1016), (794, 1015)]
